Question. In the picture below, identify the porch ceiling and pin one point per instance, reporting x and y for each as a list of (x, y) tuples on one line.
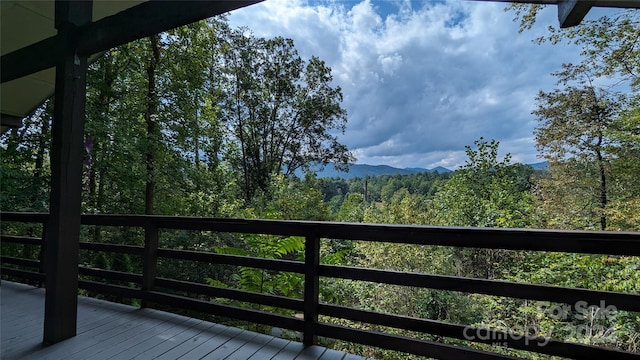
[(23, 23), (29, 41)]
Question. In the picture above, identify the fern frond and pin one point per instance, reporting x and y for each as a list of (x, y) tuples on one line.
[(251, 279), (335, 258), (288, 246)]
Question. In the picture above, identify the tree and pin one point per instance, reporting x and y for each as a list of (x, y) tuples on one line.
[(486, 192), (151, 121), (583, 130), (624, 210), (289, 198), (609, 43), (192, 115), (281, 110), (115, 159), (401, 207), (24, 164), (352, 208), (574, 123)]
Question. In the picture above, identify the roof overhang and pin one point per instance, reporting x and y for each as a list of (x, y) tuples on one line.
[(28, 31), (24, 23)]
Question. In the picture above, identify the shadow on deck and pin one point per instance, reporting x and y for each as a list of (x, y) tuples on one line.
[(109, 330)]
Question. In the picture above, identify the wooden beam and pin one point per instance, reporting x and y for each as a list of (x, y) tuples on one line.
[(29, 60), (571, 12), (62, 241), (10, 121), (150, 18), (146, 19)]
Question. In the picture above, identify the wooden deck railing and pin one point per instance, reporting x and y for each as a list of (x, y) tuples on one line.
[(149, 285)]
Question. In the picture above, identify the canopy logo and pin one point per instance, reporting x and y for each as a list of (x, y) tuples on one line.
[(582, 322)]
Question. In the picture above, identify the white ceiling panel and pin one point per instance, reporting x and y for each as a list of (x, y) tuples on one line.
[(23, 23)]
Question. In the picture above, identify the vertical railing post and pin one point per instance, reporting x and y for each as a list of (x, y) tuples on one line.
[(311, 288), (149, 259), (41, 256)]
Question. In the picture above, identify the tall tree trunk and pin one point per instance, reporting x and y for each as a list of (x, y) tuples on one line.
[(40, 181), (243, 144), (42, 148), (152, 126), (96, 176), (600, 117), (603, 187)]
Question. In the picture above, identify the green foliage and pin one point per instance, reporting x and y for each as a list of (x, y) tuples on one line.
[(381, 188), (589, 135), (623, 211), (352, 208), (586, 130), (263, 281), (402, 208), (289, 198), (566, 197), (609, 43), (576, 124), (24, 163), (485, 192), (617, 329), (281, 112)]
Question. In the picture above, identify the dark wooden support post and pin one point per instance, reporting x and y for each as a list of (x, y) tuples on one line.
[(311, 288), (43, 250), (62, 248), (150, 260), (571, 12)]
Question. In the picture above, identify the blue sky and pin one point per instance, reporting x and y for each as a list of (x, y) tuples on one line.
[(422, 79)]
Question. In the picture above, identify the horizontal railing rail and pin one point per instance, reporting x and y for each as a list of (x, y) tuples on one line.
[(622, 301), (150, 288)]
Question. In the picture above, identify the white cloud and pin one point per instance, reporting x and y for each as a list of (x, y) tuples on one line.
[(426, 79)]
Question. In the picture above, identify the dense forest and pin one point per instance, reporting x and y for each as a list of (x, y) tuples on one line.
[(206, 120)]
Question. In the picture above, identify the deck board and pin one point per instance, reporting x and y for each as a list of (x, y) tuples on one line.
[(110, 331), (229, 347), (196, 338), (270, 350), (204, 348), (247, 350)]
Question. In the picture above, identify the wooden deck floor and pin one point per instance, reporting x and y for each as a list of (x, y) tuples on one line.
[(114, 331)]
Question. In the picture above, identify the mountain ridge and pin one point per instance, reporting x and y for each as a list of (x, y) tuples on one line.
[(362, 170)]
